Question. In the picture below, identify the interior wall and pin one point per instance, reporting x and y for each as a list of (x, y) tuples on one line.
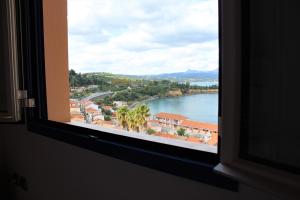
[(55, 170), (1, 164), (3, 185), (56, 59)]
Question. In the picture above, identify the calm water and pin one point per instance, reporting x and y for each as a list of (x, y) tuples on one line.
[(204, 83), (200, 107)]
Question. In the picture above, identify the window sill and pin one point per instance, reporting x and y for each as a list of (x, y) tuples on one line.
[(174, 142), (125, 149), (274, 181)]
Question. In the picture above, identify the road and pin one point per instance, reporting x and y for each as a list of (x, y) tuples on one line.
[(95, 95)]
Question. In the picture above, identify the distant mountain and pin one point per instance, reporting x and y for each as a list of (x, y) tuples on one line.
[(189, 75)]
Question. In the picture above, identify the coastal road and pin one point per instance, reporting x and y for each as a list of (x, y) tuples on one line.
[(95, 95)]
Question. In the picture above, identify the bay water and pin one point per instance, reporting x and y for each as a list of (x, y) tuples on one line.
[(199, 107)]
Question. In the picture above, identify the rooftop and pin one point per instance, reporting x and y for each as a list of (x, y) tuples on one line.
[(91, 110), (199, 125), (171, 116)]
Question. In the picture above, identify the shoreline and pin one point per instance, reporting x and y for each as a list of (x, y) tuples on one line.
[(143, 101), (215, 91)]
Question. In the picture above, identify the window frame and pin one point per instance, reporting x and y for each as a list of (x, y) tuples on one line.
[(236, 60), (187, 163), (13, 113)]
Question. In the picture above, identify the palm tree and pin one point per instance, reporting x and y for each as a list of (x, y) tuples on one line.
[(132, 120), (122, 116), (143, 112)]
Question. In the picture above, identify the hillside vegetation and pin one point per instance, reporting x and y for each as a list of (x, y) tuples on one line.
[(130, 88)]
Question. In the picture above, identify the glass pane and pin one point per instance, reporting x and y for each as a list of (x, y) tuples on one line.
[(270, 101), (146, 69)]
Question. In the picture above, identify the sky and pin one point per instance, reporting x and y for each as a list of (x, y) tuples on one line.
[(141, 37)]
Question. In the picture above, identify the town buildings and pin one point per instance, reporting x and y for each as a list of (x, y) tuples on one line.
[(171, 123), (163, 124)]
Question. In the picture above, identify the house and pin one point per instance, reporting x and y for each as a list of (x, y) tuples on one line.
[(89, 104), (120, 103), (170, 123), (107, 108), (199, 127), (169, 119), (74, 106), (78, 89), (154, 124), (93, 114)]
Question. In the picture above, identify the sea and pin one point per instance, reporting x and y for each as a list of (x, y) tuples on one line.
[(198, 107), (204, 83)]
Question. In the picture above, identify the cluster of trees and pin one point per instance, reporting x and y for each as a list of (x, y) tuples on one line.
[(106, 101), (133, 119), (79, 80), (127, 95), (103, 81)]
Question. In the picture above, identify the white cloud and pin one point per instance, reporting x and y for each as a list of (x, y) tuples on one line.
[(143, 36)]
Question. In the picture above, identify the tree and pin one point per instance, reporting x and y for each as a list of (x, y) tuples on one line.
[(108, 101), (181, 132), (106, 112), (72, 72), (150, 131), (142, 112), (122, 116), (132, 121), (72, 78)]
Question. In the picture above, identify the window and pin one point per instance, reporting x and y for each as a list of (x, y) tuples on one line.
[(45, 39), (145, 69), (259, 146), (43, 46), (270, 120)]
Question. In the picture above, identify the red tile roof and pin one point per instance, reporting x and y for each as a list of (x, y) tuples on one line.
[(199, 125), (152, 121), (214, 139), (91, 110), (73, 101), (74, 104), (170, 116)]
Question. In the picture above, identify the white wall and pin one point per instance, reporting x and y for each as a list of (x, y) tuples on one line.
[(55, 170)]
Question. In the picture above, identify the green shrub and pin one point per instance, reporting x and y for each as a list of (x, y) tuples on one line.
[(181, 132), (107, 118), (150, 131)]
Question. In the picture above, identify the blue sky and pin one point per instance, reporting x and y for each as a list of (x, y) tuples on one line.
[(142, 36)]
